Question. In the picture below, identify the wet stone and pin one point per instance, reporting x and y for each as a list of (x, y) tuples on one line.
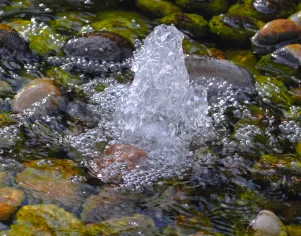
[(10, 199), (276, 34), (12, 45), (289, 55), (37, 91), (234, 28), (192, 23), (267, 223), (116, 162), (101, 45)]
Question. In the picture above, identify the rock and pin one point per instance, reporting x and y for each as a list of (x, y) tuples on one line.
[(12, 45), (190, 23), (36, 92), (5, 89), (157, 8), (284, 63), (118, 160), (5, 119), (296, 17), (47, 220), (268, 224), (206, 8), (100, 45), (264, 10), (276, 34), (10, 199), (132, 225), (234, 28), (293, 230), (296, 94)]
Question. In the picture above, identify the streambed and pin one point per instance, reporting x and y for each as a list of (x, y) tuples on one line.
[(205, 167)]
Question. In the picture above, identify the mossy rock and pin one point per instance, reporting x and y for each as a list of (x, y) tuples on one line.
[(46, 219), (131, 225), (17, 23), (10, 199), (130, 25), (234, 28), (156, 8), (273, 89), (271, 67), (5, 89), (193, 23), (194, 48), (275, 9), (62, 77), (207, 8)]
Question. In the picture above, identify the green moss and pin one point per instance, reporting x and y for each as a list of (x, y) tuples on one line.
[(46, 220), (293, 230), (244, 58), (62, 77), (204, 8), (234, 28), (157, 8), (5, 119), (17, 23), (267, 65), (246, 8), (298, 149), (100, 87), (273, 89), (192, 23)]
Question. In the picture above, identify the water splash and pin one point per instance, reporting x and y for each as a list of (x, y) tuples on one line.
[(161, 112)]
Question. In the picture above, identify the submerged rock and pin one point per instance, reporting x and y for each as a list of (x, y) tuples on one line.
[(276, 34), (10, 199), (100, 45), (116, 162), (157, 8), (268, 224), (234, 28), (41, 91), (46, 220), (191, 23), (12, 45)]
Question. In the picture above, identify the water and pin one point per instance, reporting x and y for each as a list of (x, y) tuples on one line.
[(161, 111)]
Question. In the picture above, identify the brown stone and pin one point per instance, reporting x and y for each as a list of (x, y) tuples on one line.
[(10, 199), (36, 91)]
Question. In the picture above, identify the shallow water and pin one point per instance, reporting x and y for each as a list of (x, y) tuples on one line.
[(199, 178)]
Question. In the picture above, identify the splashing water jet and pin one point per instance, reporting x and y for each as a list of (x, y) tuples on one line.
[(161, 111)]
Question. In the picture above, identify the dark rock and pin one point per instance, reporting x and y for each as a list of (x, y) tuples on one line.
[(289, 55), (12, 45), (157, 8), (101, 45), (276, 34)]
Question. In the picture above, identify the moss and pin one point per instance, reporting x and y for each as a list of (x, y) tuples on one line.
[(46, 220), (293, 230), (5, 119), (244, 58), (273, 89), (192, 23), (62, 77), (234, 28), (100, 87), (157, 8), (269, 67), (17, 23), (204, 8), (298, 149), (245, 8)]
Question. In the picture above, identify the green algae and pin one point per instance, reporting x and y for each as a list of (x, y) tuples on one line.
[(63, 77), (5, 119)]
